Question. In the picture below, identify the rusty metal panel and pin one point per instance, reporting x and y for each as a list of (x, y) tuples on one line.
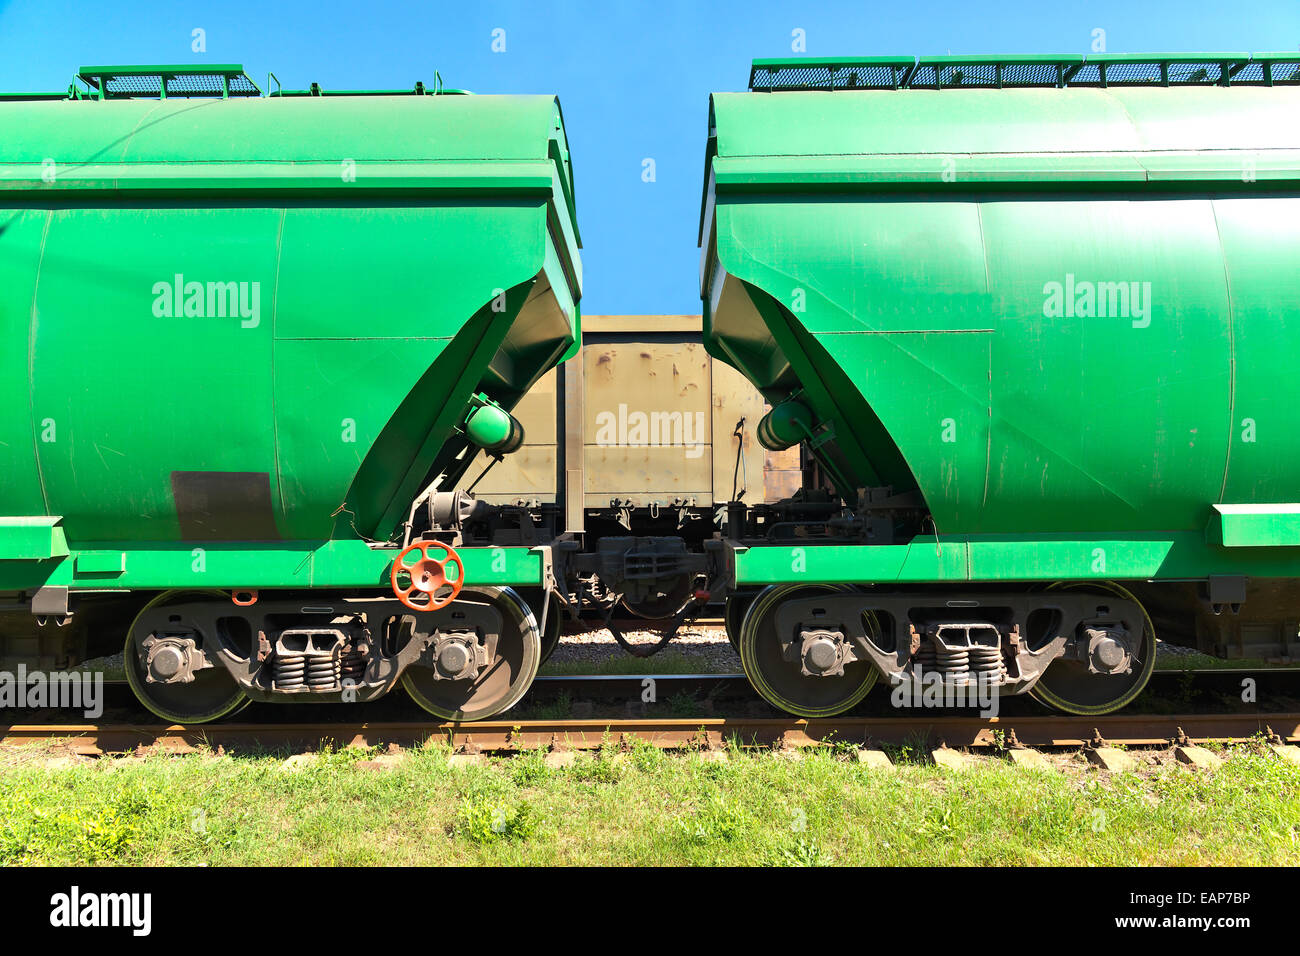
[(691, 325), (531, 471), (650, 420), (574, 452), (536, 410), (647, 422), (734, 399), (647, 475), (782, 471)]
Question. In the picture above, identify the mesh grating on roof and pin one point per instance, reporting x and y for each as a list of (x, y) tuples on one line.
[(827, 77), (992, 73), (1250, 73), (969, 76), (241, 85), (117, 82), (1282, 71), (1031, 74), (1137, 74), (1158, 73), (972, 75), (1198, 73), (1087, 75), (207, 84), (132, 85)]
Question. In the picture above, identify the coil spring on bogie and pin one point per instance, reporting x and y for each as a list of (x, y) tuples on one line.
[(317, 671), (290, 670), (323, 671), (954, 662), (986, 664), (352, 666), (962, 665)]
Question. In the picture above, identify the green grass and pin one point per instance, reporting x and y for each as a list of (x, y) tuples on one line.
[(1204, 662), (113, 672), (642, 807)]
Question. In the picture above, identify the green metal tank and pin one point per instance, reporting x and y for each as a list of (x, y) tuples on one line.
[(1042, 311), (240, 333), (1049, 309), (222, 320)]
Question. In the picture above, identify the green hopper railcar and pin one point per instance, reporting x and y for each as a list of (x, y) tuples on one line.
[(1035, 319), (245, 341)]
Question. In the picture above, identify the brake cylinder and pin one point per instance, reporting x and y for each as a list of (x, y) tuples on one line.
[(784, 426), (493, 428)]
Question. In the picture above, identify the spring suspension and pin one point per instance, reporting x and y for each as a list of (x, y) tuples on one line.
[(954, 663), (290, 670), (322, 671), (352, 665), (318, 659), (952, 650), (987, 664)]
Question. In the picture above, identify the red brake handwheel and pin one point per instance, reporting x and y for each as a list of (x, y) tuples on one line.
[(428, 575)]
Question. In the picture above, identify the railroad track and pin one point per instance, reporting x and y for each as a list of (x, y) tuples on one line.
[(1275, 681), (507, 736), (1268, 681), (713, 695)]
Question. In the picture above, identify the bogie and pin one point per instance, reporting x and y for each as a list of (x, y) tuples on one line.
[(193, 657)]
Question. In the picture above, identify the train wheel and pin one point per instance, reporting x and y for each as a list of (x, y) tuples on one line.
[(211, 695), (497, 686), (734, 615), (1067, 685), (551, 631), (781, 682)]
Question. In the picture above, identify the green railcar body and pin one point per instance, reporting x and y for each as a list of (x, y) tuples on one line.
[(1064, 314), (239, 335)]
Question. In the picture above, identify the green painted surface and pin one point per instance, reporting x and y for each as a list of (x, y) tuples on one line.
[(1003, 172), (1183, 555), (31, 538), (330, 564), (292, 299), (492, 427), (1255, 526), (921, 324), (784, 426)]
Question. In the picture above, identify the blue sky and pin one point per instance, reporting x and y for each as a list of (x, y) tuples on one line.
[(633, 77)]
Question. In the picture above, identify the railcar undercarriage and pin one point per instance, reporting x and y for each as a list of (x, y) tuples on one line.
[(197, 656), (813, 649)]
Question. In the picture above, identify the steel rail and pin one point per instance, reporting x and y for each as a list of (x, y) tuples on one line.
[(1223, 680), (711, 732), (711, 690)]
